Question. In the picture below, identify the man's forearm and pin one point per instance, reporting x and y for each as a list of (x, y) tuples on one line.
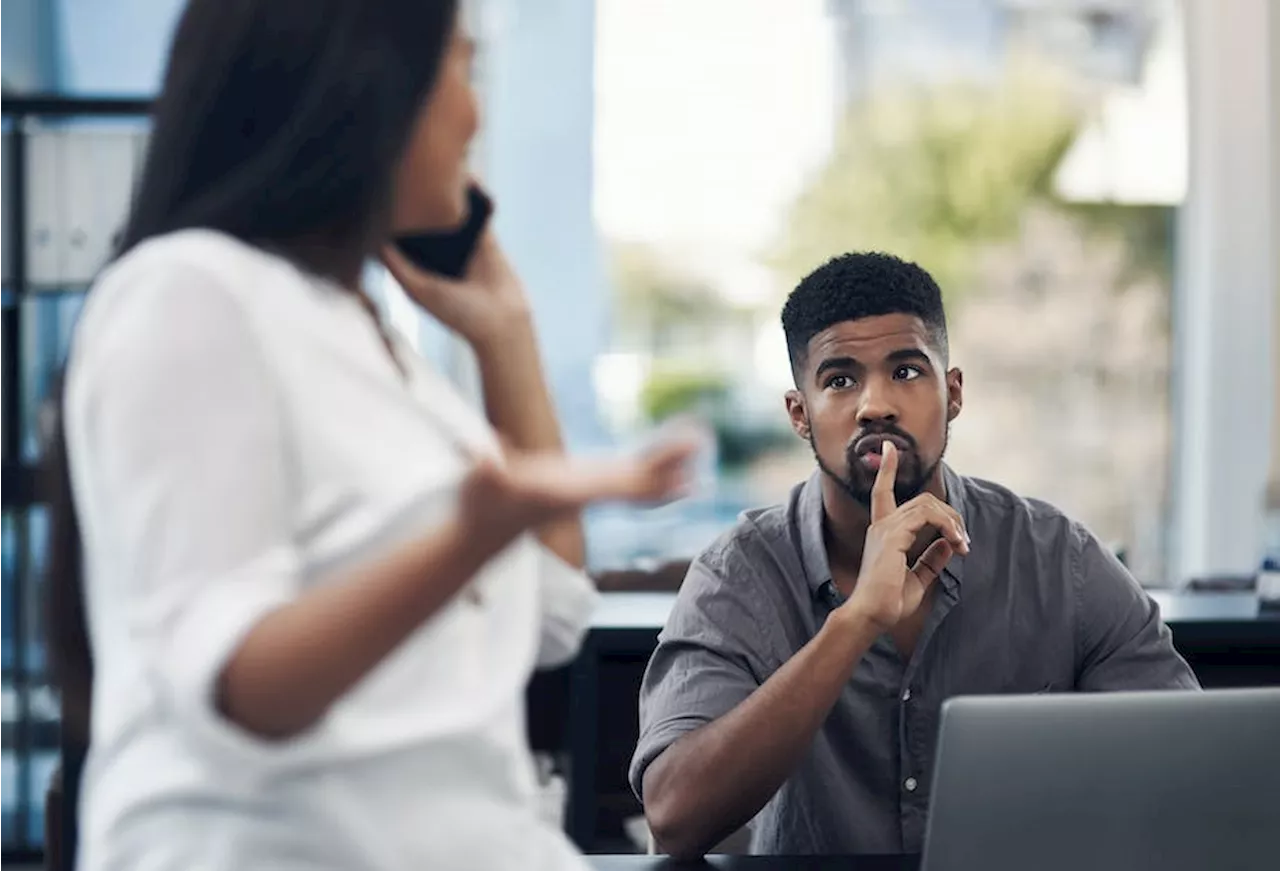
[(518, 404), (714, 780)]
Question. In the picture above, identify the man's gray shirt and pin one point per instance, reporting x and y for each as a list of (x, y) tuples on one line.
[(1038, 605)]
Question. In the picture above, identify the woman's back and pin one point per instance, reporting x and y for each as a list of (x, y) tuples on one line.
[(238, 436)]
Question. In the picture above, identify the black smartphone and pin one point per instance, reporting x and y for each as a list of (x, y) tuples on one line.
[(448, 253)]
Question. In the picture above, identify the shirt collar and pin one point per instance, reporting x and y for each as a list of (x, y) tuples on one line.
[(810, 516)]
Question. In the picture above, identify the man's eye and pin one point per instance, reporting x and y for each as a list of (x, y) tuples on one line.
[(907, 373), (841, 382)]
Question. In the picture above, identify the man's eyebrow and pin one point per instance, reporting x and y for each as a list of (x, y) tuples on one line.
[(904, 354), (835, 363)]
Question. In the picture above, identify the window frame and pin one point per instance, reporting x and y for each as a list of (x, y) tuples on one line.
[(1225, 420)]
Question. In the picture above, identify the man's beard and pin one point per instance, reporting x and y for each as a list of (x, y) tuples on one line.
[(912, 477)]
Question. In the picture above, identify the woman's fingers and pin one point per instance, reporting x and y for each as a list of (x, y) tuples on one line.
[(428, 289), (660, 474)]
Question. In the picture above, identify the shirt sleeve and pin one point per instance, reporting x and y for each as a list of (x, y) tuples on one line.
[(182, 449), (1122, 644), (566, 598), (704, 666)]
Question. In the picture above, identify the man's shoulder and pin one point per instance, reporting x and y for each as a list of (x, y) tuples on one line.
[(994, 508), (758, 551), (754, 529), (748, 584), (996, 502)]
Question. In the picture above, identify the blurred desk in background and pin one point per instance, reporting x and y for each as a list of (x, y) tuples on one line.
[(588, 712), (1227, 639)]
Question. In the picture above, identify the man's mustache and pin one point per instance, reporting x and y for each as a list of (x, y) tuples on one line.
[(860, 441)]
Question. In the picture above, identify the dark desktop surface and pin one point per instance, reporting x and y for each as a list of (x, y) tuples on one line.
[(757, 863)]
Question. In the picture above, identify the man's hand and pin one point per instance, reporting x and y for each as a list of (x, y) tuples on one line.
[(887, 588)]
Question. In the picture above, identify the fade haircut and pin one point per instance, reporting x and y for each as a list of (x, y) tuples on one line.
[(855, 286)]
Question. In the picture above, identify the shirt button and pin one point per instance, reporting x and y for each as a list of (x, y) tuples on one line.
[(906, 694), (910, 784)]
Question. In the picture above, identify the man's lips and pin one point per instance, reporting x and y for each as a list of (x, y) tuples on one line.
[(867, 448), (873, 444)]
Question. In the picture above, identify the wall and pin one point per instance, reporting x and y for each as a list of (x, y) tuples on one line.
[(538, 75), (27, 45), (1274, 487), (93, 58), (1223, 323)]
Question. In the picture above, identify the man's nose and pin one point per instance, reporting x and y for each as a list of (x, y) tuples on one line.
[(877, 405)]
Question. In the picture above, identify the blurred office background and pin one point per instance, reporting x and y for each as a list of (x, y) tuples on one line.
[(1093, 182)]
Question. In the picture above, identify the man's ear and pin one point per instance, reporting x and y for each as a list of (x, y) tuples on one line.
[(955, 393), (798, 413)]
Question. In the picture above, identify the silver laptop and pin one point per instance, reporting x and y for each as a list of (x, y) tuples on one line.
[(1168, 781)]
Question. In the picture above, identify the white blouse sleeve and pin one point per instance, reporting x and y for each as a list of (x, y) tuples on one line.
[(177, 437), (567, 598)]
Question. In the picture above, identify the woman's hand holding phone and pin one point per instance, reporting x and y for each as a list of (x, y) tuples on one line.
[(462, 278), (482, 306)]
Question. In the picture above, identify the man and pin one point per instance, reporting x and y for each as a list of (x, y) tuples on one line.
[(799, 678)]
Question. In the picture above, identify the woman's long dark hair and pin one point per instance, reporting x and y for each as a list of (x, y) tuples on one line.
[(280, 122)]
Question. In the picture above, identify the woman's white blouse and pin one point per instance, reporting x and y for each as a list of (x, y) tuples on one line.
[(238, 435)]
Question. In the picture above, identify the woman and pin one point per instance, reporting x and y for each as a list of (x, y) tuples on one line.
[(315, 585)]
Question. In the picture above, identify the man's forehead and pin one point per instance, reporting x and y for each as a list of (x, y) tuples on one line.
[(871, 338)]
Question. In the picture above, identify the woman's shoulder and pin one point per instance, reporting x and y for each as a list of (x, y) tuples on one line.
[(181, 289), (208, 256), (183, 279)]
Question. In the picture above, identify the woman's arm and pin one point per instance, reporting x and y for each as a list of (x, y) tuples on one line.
[(302, 657), (299, 659), (519, 406), (490, 310)]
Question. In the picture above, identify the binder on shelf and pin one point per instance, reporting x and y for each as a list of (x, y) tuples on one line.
[(6, 216), (79, 187)]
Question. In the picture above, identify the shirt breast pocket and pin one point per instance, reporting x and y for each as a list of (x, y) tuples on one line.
[(1038, 682), (1002, 655), (1006, 674)]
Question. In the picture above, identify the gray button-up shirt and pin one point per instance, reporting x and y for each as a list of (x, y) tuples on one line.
[(1038, 605)]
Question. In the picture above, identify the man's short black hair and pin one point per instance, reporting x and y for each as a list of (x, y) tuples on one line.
[(860, 285)]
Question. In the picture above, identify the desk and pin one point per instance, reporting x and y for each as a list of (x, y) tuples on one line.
[(758, 863), (1224, 637), (1224, 617)]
